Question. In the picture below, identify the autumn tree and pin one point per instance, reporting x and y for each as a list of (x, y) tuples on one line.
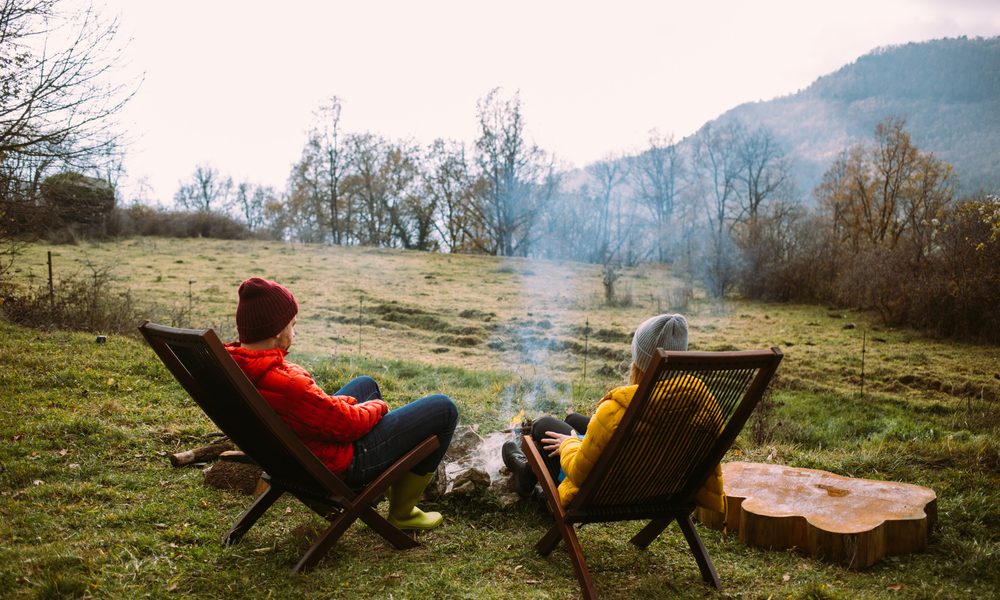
[(885, 201), (882, 194)]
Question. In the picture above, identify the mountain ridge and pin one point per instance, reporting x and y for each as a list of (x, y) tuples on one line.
[(947, 91)]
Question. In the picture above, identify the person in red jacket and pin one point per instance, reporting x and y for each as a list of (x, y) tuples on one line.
[(352, 431)]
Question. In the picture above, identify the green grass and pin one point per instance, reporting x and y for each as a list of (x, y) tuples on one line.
[(89, 505)]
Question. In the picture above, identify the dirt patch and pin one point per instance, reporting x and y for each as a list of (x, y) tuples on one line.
[(460, 341), (418, 318), (477, 315), (611, 336), (954, 387)]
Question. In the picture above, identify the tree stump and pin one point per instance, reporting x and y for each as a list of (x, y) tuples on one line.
[(853, 522)]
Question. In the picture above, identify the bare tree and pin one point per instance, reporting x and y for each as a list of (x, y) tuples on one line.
[(333, 165), (609, 174), (251, 201), (56, 101), (207, 191), (448, 184), (367, 188), (306, 210), (658, 174), (410, 213), (717, 168), (763, 171), (518, 178)]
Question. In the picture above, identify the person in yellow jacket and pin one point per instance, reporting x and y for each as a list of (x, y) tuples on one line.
[(573, 445)]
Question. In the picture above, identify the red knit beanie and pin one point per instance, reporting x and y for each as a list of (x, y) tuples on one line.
[(265, 307)]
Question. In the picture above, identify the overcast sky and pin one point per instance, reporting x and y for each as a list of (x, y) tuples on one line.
[(234, 84)]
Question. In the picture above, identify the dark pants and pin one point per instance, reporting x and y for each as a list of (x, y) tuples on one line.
[(398, 432), (573, 422)]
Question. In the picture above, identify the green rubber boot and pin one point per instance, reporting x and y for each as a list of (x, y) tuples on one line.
[(403, 497)]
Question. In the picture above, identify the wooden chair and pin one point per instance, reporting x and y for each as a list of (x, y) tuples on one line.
[(213, 379), (664, 448)]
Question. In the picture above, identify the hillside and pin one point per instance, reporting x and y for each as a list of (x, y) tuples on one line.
[(90, 506), (947, 90)]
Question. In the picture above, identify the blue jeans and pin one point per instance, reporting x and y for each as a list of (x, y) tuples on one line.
[(572, 422), (398, 432)]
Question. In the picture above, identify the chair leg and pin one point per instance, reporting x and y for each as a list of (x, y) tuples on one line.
[(579, 564), (700, 553), (549, 541), (250, 515), (394, 535), (650, 532), (326, 540)]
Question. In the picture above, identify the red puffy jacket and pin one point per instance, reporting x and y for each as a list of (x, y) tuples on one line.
[(327, 424)]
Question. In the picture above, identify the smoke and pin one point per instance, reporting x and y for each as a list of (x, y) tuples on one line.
[(529, 342)]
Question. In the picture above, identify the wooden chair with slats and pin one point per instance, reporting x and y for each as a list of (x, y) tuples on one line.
[(201, 364), (684, 416)]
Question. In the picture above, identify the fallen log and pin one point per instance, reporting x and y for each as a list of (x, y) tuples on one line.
[(203, 454)]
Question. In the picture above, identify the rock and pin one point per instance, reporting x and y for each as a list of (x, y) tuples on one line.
[(463, 443), (471, 481), (473, 467)]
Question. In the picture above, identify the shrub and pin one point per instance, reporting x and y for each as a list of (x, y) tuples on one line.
[(786, 256), (83, 302), (958, 292), (144, 220), (78, 202)]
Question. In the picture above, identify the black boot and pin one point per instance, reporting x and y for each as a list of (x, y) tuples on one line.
[(520, 470)]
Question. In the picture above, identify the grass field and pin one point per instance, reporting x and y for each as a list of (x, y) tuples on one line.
[(89, 505)]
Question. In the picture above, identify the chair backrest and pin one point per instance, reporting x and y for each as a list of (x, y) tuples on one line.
[(684, 416), (202, 365)]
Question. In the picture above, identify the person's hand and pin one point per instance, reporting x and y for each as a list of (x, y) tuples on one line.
[(552, 441)]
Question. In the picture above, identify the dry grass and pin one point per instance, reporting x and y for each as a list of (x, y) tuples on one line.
[(525, 316), (487, 331)]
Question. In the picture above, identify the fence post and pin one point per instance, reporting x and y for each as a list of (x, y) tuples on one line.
[(52, 294)]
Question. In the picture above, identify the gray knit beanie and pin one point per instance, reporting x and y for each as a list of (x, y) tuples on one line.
[(669, 332)]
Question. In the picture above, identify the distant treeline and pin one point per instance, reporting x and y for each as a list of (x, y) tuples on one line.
[(885, 232)]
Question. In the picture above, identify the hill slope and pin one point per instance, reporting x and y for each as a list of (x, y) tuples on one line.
[(947, 90)]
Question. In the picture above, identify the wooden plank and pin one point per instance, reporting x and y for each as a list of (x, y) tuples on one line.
[(853, 522)]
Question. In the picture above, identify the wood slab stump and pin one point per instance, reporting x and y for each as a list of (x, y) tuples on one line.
[(852, 522)]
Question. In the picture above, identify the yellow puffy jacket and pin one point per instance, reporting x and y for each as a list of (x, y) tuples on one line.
[(577, 456)]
